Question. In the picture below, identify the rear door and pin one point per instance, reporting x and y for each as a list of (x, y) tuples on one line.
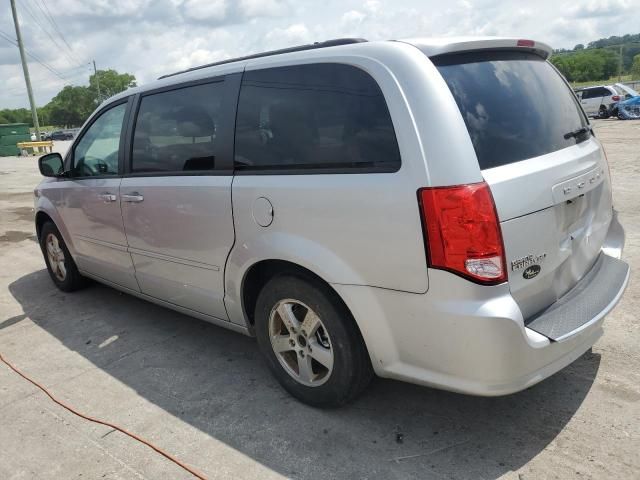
[(547, 172), (590, 101), (176, 194)]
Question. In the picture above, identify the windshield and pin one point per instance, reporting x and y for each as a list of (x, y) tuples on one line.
[(626, 91), (515, 105)]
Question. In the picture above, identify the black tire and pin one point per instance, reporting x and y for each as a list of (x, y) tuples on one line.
[(603, 112), (72, 280), (351, 371)]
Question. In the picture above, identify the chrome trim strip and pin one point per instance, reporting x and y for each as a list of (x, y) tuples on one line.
[(102, 243), (167, 258)]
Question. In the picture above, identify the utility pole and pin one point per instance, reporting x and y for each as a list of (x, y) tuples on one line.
[(95, 71), (25, 69), (620, 65)]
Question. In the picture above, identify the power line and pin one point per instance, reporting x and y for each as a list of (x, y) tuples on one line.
[(55, 24), (52, 21), (34, 57), (34, 17)]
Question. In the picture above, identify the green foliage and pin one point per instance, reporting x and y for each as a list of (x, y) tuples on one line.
[(635, 68), (111, 83), (73, 105), (586, 65)]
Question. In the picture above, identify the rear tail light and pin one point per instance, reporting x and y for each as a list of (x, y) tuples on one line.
[(615, 98), (462, 232)]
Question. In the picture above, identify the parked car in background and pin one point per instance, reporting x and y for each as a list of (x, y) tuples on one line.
[(629, 109), (307, 197), (60, 135), (597, 101), (626, 93)]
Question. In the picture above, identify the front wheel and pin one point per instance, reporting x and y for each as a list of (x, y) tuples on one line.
[(311, 342), (62, 269)]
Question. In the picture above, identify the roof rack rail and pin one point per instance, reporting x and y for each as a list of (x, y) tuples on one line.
[(299, 48)]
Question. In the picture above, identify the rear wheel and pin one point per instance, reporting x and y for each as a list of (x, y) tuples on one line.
[(62, 269), (603, 112), (311, 342)]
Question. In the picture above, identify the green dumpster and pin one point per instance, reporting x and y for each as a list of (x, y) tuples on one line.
[(10, 135)]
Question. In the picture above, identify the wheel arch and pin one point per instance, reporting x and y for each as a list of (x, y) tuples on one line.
[(258, 274), (261, 272), (41, 218)]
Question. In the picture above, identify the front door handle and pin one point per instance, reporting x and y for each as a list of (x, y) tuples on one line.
[(108, 197), (133, 197)]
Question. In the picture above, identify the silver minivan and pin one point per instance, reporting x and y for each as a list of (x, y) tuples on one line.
[(434, 211)]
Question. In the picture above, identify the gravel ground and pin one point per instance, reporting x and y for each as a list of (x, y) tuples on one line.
[(203, 393)]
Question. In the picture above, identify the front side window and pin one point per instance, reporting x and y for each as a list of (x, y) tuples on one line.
[(317, 116), (177, 131), (96, 154)]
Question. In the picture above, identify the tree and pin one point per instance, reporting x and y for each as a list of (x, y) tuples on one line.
[(587, 65), (579, 47), (635, 67), (71, 107), (111, 83)]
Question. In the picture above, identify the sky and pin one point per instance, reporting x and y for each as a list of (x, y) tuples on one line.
[(149, 38)]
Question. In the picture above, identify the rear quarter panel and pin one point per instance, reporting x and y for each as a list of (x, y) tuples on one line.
[(358, 229)]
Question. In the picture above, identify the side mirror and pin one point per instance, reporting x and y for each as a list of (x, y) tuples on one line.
[(51, 165)]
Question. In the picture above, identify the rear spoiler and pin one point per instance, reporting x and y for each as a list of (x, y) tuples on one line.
[(435, 47)]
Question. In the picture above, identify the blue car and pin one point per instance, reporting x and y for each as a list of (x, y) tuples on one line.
[(629, 109)]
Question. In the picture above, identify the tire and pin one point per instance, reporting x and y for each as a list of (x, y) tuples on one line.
[(62, 269), (325, 331), (603, 112)]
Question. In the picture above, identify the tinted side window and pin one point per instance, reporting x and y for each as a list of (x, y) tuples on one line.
[(318, 116), (177, 131), (96, 153), (586, 94)]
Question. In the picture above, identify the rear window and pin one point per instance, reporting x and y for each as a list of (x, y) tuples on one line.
[(515, 105)]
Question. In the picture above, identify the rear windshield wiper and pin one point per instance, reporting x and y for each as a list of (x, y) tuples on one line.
[(577, 133)]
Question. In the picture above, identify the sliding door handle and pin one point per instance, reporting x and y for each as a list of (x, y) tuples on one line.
[(107, 197), (133, 197)]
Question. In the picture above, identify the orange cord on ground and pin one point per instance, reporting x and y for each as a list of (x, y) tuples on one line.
[(115, 427)]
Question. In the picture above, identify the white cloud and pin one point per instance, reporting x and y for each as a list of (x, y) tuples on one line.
[(152, 37), (293, 34), (205, 9), (263, 8)]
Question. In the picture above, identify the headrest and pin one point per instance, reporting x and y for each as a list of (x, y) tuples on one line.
[(193, 121)]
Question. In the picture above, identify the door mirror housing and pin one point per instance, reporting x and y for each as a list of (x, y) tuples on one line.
[(51, 165)]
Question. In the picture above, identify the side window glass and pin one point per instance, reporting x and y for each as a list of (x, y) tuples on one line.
[(317, 116), (96, 154), (177, 131)]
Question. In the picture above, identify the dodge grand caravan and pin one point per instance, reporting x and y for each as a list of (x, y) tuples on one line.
[(434, 211)]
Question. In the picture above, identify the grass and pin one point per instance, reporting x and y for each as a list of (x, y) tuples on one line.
[(612, 80)]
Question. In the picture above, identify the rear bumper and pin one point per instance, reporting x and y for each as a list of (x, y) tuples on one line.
[(472, 339)]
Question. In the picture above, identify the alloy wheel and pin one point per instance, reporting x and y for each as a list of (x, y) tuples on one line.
[(301, 342)]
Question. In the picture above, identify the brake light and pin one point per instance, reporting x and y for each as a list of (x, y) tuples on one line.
[(462, 232), (526, 43), (615, 98)]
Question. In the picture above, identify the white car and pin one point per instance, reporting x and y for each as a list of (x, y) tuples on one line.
[(598, 101)]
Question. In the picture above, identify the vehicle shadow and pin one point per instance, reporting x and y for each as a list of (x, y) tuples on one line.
[(216, 381)]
